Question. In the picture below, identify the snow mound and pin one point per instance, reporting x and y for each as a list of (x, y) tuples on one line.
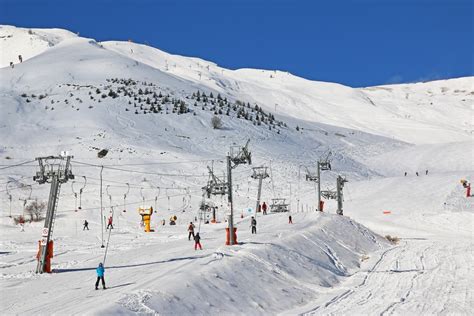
[(292, 268)]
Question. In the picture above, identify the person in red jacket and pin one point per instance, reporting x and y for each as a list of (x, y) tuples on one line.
[(264, 208), (109, 225), (191, 230)]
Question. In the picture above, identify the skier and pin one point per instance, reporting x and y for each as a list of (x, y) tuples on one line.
[(426, 172), (264, 208), (100, 276), (20, 58), (253, 224), (110, 224), (22, 223), (12, 65), (197, 242), (405, 173), (86, 225), (290, 220), (191, 230), (416, 173)]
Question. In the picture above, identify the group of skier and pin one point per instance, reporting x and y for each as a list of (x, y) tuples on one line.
[(109, 224), (20, 58), (417, 173), (196, 236), (191, 233), (262, 208)]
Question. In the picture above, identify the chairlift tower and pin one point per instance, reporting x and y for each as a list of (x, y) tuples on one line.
[(323, 164), (237, 155), (55, 170), (216, 186), (259, 173), (340, 198), (336, 194)]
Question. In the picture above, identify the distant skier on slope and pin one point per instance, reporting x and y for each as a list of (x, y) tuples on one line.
[(20, 58), (197, 242), (253, 225), (426, 172), (290, 220), (86, 225), (191, 230), (100, 276)]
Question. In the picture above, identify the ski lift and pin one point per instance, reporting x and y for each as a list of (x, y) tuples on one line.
[(29, 190), (156, 198), (279, 205), (215, 186), (125, 197), (241, 155), (329, 194), (80, 194), (310, 176), (143, 197), (110, 196), (205, 209), (186, 200), (259, 172), (189, 198), (325, 164), (9, 196)]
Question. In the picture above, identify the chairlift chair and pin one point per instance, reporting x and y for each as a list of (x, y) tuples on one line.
[(279, 205), (329, 195)]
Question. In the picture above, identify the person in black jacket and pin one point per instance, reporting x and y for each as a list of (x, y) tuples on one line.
[(197, 241), (253, 224)]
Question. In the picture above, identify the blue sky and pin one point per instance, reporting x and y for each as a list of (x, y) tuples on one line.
[(357, 43)]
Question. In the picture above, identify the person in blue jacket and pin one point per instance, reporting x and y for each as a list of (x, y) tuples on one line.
[(100, 276)]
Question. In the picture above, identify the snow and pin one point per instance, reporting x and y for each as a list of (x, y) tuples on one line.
[(321, 264)]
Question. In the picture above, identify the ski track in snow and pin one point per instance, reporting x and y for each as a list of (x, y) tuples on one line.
[(417, 277)]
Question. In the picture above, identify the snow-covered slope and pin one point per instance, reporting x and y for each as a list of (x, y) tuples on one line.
[(152, 111), (27, 42), (418, 113), (415, 113)]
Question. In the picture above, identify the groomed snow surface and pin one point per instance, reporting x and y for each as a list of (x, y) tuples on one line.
[(322, 264)]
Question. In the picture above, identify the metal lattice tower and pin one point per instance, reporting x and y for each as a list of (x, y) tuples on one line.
[(259, 173), (237, 156), (336, 194), (323, 164), (340, 198), (55, 170)]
